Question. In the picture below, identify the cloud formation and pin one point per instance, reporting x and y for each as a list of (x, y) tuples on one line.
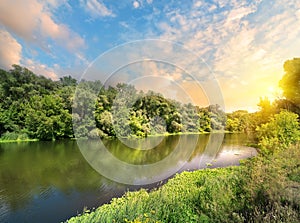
[(10, 50), (33, 21), (41, 69), (136, 4), (245, 43), (11, 53), (96, 9)]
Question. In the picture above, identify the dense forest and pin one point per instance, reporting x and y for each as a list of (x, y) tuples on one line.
[(34, 107)]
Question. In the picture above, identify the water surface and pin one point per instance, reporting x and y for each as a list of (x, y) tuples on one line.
[(52, 181)]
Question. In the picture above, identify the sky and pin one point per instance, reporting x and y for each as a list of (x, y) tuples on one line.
[(243, 43)]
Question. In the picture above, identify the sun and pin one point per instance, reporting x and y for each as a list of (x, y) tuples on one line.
[(271, 89)]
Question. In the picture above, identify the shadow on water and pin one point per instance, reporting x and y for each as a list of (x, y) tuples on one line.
[(51, 181)]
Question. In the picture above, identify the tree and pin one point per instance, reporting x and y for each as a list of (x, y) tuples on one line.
[(83, 109), (104, 123), (204, 120), (190, 117), (290, 82), (238, 121), (139, 124), (282, 130), (47, 119), (267, 110), (284, 104), (68, 81)]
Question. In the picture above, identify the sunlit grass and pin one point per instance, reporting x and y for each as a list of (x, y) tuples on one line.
[(262, 189), (17, 140)]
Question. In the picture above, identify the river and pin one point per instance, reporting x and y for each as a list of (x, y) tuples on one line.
[(52, 181)]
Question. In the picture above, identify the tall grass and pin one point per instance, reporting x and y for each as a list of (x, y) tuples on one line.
[(263, 189), (189, 197)]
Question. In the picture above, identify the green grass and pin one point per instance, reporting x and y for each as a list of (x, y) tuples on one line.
[(189, 197), (263, 189), (168, 134), (17, 140)]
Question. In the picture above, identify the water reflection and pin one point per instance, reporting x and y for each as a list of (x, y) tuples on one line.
[(169, 156), (51, 181)]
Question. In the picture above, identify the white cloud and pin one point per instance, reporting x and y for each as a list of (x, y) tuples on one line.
[(97, 9), (235, 53), (124, 24), (10, 50), (136, 4), (42, 69), (198, 4), (248, 40), (58, 3), (149, 1), (60, 32), (222, 3), (239, 13), (33, 21)]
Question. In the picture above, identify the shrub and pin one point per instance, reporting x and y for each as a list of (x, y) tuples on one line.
[(272, 187), (281, 131), (14, 136)]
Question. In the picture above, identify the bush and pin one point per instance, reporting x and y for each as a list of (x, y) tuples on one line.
[(14, 136), (281, 131), (273, 187)]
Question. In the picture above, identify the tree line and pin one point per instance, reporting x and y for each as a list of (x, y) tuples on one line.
[(34, 107)]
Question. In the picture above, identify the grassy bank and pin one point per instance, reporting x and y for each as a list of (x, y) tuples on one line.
[(17, 140), (264, 189)]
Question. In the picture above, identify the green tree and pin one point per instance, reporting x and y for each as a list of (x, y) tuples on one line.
[(68, 81), (204, 120), (104, 124), (267, 110), (238, 121), (190, 118), (83, 109), (139, 124), (282, 131), (290, 82), (217, 117), (47, 119)]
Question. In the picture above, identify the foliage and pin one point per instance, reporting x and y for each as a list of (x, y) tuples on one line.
[(189, 197), (267, 110), (273, 187), (14, 136), (283, 130), (260, 190), (33, 106), (42, 109), (290, 82), (122, 111), (238, 121), (263, 189), (284, 104)]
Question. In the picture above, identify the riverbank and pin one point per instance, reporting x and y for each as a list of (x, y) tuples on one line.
[(131, 137), (262, 189), (17, 140)]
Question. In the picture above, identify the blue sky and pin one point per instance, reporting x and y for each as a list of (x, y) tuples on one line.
[(244, 43)]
